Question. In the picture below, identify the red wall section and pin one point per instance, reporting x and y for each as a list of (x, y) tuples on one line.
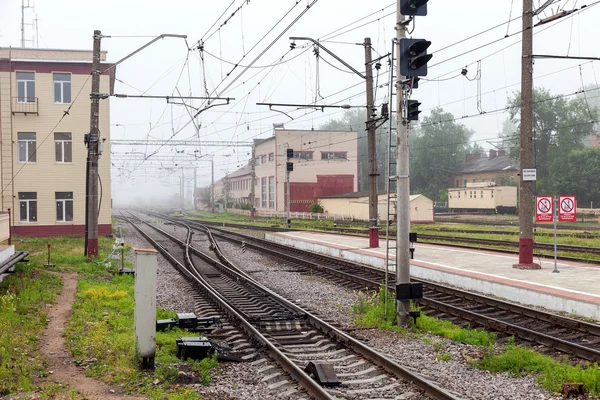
[(57, 230), (304, 194)]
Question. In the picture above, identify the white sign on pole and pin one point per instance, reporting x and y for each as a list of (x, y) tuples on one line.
[(529, 174)]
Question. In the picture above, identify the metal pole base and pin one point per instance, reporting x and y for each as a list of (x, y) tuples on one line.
[(526, 255), (373, 237)]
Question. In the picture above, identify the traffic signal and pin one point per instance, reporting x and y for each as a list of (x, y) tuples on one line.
[(290, 153), (289, 166), (412, 110), (414, 57), (413, 7)]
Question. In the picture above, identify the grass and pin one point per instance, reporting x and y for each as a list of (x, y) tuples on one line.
[(23, 299), (100, 334), (550, 373), (516, 360)]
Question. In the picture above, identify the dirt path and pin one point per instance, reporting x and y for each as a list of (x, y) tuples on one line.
[(60, 361)]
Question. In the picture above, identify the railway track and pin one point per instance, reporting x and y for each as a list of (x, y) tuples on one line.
[(507, 246), (567, 335), (291, 335)]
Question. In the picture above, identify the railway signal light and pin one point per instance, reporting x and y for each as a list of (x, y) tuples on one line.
[(414, 57), (289, 167), (412, 110), (290, 153), (413, 7)]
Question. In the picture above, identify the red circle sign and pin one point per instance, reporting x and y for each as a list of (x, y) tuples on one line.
[(544, 205), (567, 205)]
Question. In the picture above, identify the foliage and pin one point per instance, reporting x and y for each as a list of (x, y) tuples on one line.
[(448, 329), (355, 120), (316, 208), (205, 195), (550, 373), (436, 149), (580, 177), (560, 126)]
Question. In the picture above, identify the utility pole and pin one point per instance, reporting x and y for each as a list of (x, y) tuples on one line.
[(372, 151), (212, 183), (194, 190), (253, 176), (91, 220), (402, 182), (526, 152)]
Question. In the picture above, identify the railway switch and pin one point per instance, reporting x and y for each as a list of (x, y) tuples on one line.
[(187, 320)]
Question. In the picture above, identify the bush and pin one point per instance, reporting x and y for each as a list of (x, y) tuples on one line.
[(316, 208)]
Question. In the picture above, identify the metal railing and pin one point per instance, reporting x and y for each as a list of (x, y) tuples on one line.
[(25, 105)]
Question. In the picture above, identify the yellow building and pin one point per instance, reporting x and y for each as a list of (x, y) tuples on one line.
[(357, 205), (44, 114)]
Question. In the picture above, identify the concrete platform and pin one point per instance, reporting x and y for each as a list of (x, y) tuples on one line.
[(575, 290)]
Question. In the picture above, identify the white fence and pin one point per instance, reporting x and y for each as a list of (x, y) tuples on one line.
[(293, 215)]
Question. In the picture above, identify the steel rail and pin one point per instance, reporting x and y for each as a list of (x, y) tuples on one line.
[(310, 385), (481, 319), (389, 365)]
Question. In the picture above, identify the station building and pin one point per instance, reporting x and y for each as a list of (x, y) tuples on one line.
[(44, 114), (498, 169)]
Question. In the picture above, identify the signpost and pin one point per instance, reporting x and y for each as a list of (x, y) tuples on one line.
[(546, 208), (529, 174)]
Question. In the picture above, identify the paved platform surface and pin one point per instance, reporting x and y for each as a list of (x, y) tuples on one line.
[(575, 290)]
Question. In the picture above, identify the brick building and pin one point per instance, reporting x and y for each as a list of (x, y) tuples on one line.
[(42, 152), (498, 168)]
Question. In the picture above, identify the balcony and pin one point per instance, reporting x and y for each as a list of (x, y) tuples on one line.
[(25, 105)]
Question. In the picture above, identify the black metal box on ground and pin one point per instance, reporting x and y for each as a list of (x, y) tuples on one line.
[(196, 348), (409, 291), (164, 324), (187, 320)]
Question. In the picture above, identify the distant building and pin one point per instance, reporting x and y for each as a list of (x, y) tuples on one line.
[(483, 197), (325, 163), (476, 169), (357, 205), (42, 152)]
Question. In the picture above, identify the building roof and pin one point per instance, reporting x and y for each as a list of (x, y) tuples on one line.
[(485, 164), (245, 170), (357, 195)]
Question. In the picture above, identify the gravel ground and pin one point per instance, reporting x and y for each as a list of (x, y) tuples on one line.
[(233, 381), (334, 303)]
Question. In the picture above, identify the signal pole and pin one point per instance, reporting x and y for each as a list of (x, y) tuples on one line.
[(526, 156), (402, 183), (372, 151), (91, 198)]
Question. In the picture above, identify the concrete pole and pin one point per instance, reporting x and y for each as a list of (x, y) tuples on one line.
[(23, 23), (212, 183), (371, 144), (92, 157), (194, 190), (402, 183), (145, 306), (526, 152)]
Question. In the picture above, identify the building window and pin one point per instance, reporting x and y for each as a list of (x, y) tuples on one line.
[(465, 183), (62, 88), (492, 179), (473, 180), (26, 146), (257, 161), (272, 192), (303, 155), (28, 206), (26, 87), (271, 156), (64, 206), (63, 147), (482, 194), (492, 194), (459, 195), (263, 159), (457, 183), (470, 194), (263, 192), (334, 155), (482, 179)]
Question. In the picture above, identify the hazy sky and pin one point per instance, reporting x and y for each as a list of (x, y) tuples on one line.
[(295, 78)]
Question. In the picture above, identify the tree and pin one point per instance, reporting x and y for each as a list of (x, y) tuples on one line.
[(580, 177), (436, 149), (560, 126), (204, 194), (355, 120)]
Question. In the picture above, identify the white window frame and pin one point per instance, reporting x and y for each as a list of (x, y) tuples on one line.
[(27, 143), (26, 84), (28, 208), (62, 88), (62, 149), (263, 192), (63, 203), (271, 192)]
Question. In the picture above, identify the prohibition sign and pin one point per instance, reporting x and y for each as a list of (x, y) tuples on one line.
[(566, 205), (544, 206)]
